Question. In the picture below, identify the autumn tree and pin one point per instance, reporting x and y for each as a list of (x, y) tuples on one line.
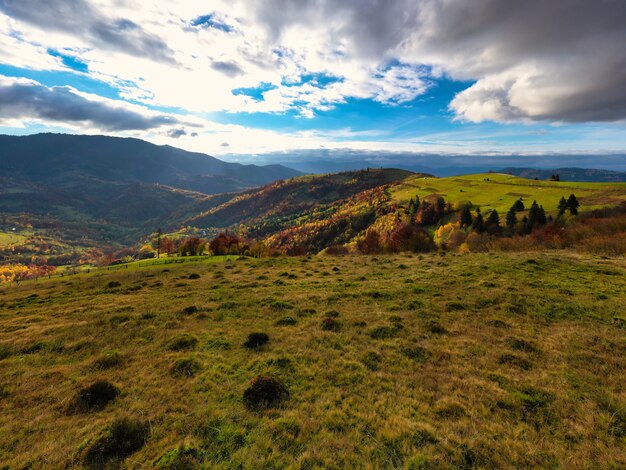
[(192, 246), (371, 243)]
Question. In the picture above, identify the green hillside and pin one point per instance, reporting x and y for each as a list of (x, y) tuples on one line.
[(457, 361), (498, 191)]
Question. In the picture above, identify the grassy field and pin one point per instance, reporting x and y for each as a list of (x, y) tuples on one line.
[(498, 191), (457, 361)]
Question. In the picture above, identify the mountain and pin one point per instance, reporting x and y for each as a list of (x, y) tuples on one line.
[(569, 174), (68, 192), (63, 159)]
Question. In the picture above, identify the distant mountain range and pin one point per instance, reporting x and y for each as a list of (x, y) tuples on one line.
[(94, 191), (569, 174)]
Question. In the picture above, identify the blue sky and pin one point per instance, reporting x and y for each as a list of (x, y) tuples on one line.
[(319, 77)]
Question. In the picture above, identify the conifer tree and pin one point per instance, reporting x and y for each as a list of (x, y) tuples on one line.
[(562, 206), (492, 224), (465, 218), (479, 223), (573, 204), (511, 221)]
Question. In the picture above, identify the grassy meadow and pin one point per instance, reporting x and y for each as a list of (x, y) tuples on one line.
[(499, 191), (430, 361)]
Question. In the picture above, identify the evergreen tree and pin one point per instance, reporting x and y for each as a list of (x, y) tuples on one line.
[(465, 218), (562, 206), (511, 221), (479, 223), (492, 224), (518, 205), (573, 204), (536, 217)]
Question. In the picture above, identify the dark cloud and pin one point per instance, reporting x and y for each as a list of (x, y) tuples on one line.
[(176, 133), (231, 69), (30, 100), (556, 60), (79, 18)]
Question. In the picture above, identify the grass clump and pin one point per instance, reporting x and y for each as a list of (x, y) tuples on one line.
[(256, 340), (190, 310), (521, 345), (330, 324), (372, 360), (182, 342), (114, 284), (187, 367), (181, 458), (286, 321), (194, 276), (94, 397), (417, 353), (108, 360), (121, 439), (385, 331), (264, 392), (516, 361)]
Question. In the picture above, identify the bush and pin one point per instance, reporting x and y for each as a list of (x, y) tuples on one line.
[(330, 324), (264, 392), (114, 284), (108, 360), (181, 458), (187, 367), (437, 328), (121, 439), (194, 276), (182, 342), (94, 397), (256, 340), (416, 353), (521, 345)]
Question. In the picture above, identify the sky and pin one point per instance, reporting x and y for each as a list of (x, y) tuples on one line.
[(296, 80)]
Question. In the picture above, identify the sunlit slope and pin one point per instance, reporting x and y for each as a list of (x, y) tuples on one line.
[(498, 191)]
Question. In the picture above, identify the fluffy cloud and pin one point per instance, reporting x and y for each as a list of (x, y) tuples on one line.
[(31, 101), (537, 60)]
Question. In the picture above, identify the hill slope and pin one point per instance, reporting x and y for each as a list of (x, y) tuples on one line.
[(67, 192), (457, 362), (570, 174)]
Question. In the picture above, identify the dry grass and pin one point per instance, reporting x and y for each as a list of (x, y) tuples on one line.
[(478, 360)]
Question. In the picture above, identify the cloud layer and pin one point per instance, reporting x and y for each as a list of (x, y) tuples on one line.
[(536, 61), (29, 100)]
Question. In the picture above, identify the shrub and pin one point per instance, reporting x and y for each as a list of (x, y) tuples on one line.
[(94, 397), (256, 340), (194, 276), (181, 458), (264, 392), (190, 310), (108, 360), (286, 321), (121, 439), (114, 284), (330, 324), (182, 342), (332, 314), (187, 367)]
